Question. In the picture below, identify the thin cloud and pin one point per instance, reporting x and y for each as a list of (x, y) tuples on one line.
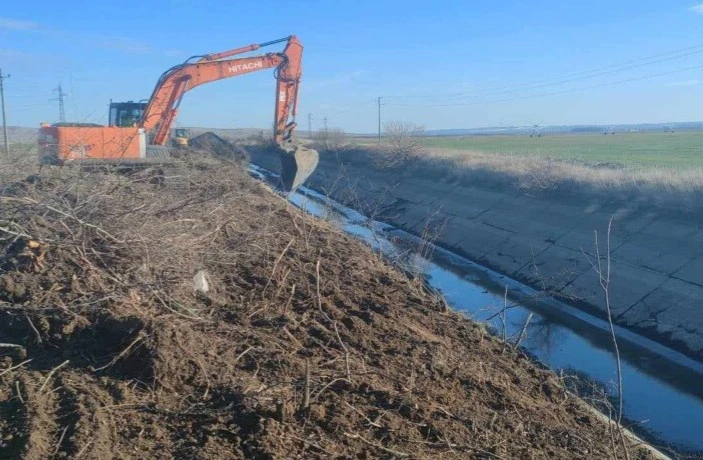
[(172, 52), (16, 24), (125, 45), (339, 79), (685, 83), (17, 56), (697, 9), (10, 53)]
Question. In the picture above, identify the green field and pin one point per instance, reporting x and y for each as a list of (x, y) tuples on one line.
[(675, 150)]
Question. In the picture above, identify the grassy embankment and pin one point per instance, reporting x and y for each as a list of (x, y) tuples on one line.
[(656, 166)]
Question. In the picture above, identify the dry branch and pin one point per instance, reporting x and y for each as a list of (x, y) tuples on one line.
[(51, 374), (5, 371), (377, 446)]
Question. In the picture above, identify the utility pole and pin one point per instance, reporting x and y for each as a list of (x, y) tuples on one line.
[(62, 111), (379, 118), (324, 122), (310, 125), (4, 118)]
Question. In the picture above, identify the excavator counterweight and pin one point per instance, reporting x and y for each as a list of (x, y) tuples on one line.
[(139, 132)]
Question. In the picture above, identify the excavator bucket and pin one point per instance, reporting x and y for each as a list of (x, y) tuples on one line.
[(297, 164)]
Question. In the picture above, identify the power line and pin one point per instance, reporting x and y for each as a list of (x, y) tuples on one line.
[(533, 96), (594, 75), (582, 75), (577, 76), (4, 118)]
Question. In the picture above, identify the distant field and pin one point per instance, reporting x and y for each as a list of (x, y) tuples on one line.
[(677, 150)]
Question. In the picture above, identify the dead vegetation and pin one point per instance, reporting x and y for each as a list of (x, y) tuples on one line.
[(529, 175), (401, 142), (305, 345), (535, 174)]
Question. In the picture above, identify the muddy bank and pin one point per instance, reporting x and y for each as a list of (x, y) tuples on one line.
[(303, 345), (539, 237)]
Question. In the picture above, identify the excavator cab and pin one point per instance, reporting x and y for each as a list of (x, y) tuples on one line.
[(181, 138), (126, 114)]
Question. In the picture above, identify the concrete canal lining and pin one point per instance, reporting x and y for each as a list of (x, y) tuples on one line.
[(543, 239)]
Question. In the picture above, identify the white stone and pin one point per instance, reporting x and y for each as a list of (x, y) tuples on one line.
[(200, 281)]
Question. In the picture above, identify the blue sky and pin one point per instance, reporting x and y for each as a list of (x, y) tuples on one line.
[(443, 64)]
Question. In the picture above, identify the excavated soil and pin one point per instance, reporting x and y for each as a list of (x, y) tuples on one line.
[(218, 147), (306, 345)]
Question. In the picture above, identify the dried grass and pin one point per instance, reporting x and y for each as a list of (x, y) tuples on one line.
[(548, 173)]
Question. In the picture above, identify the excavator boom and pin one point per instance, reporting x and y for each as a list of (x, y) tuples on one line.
[(163, 105)]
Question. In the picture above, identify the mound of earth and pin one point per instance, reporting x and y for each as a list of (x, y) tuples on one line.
[(217, 146), (299, 342)]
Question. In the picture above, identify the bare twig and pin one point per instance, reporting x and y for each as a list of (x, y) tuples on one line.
[(362, 414), (317, 285), (36, 331), (51, 374), (310, 443), (236, 360), (10, 345), (306, 387), (377, 446), (58, 444), (346, 351), (19, 393), (290, 299), (5, 371), (82, 451), (166, 306), (334, 323), (275, 265), (522, 331), (124, 352), (22, 235), (503, 315), (207, 379), (604, 280), (453, 446), (292, 337), (341, 379), (65, 214)]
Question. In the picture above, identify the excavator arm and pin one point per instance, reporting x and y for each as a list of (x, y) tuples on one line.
[(161, 112)]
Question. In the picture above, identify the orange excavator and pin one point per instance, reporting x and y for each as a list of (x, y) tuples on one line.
[(139, 132)]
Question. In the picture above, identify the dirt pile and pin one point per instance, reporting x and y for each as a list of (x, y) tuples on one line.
[(215, 145), (305, 345)]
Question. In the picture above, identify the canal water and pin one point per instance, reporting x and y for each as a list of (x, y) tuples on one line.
[(663, 389)]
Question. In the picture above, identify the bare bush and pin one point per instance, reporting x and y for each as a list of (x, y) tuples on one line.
[(537, 178), (261, 138), (331, 140), (402, 141)]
